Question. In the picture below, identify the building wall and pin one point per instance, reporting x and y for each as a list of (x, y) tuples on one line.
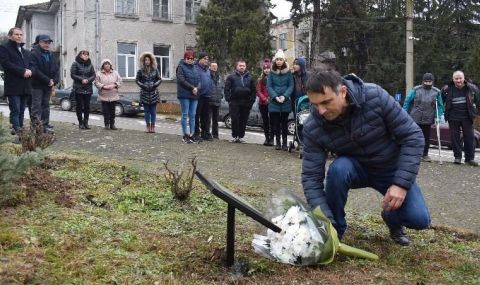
[(284, 31), (39, 23), (79, 26)]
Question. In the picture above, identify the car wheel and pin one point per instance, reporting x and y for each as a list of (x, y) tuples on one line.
[(118, 110), (228, 121), (291, 127), (66, 104)]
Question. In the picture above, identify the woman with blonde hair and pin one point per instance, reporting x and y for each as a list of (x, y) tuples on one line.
[(148, 79), (107, 82)]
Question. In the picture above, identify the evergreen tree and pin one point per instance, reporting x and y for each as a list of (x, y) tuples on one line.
[(12, 167), (234, 29)]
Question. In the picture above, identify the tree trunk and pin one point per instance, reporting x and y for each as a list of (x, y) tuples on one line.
[(315, 40)]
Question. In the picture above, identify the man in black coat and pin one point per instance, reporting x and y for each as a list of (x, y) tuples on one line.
[(45, 76), (216, 98), (240, 92), (462, 104), (15, 62), (377, 145)]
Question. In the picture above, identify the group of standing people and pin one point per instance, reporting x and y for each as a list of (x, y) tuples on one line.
[(30, 77), (457, 102), (199, 90)]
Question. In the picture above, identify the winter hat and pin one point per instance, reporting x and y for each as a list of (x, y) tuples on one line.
[(44, 38), (202, 54), (428, 77), (279, 54), (266, 64)]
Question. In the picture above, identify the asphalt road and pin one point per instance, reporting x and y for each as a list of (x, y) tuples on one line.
[(166, 125), (171, 125)]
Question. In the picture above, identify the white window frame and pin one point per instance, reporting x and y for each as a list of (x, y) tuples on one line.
[(135, 9), (283, 44), (160, 57), (127, 56), (169, 10), (193, 14)]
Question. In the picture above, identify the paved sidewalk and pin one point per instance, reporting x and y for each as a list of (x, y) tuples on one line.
[(452, 191)]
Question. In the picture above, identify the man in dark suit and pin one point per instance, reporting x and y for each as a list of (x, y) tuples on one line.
[(15, 62)]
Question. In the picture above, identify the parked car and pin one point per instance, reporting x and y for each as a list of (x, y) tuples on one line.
[(254, 119), (127, 105), (445, 139)]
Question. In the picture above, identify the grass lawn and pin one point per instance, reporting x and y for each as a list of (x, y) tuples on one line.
[(93, 221)]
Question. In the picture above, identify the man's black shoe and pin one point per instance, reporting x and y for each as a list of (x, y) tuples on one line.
[(472, 163), (397, 233)]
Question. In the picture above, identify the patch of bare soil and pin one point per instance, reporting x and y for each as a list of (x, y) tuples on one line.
[(41, 180)]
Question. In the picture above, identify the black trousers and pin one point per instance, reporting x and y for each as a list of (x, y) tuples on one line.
[(83, 107), (426, 134), (202, 117), (239, 112), (280, 125), (267, 122), (108, 110), (40, 105), (466, 127), (214, 111)]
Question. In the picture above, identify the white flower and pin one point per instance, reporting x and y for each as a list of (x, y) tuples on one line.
[(299, 241)]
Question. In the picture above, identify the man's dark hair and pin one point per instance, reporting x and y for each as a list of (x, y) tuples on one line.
[(238, 61), (10, 32), (319, 79)]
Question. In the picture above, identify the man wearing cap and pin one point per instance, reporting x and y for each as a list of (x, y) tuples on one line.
[(422, 103), (15, 62), (462, 104), (45, 76)]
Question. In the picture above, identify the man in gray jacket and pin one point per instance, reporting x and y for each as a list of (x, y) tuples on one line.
[(377, 145), (424, 103)]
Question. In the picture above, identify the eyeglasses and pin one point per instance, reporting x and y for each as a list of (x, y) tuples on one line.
[(189, 58)]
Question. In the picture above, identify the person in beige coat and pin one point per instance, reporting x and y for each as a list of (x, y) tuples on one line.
[(108, 81)]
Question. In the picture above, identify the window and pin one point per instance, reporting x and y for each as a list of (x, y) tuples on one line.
[(283, 41), (126, 7), (273, 43), (162, 55), (191, 9), (160, 9), (126, 54)]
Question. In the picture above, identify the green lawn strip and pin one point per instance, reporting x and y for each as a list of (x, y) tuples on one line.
[(125, 227)]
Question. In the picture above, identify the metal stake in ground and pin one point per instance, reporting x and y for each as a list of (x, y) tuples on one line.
[(234, 202), (437, 123)]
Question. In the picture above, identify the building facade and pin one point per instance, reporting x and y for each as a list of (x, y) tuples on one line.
[(121, 30), (294, 41)]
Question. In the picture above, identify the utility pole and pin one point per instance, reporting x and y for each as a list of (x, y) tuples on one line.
[(409, 48)]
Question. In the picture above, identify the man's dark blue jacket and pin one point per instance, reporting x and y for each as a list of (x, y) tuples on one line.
[(376, 132)]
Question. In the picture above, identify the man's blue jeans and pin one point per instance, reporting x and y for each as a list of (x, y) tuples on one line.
[(189, 109), (17, 105), (346, 173)]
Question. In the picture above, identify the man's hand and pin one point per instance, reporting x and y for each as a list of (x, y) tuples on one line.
[(195, 91), (394, 198), (28, 73), (51, 83), (84, 81)]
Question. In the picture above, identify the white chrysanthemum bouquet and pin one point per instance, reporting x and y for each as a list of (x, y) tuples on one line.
[(307, 237)]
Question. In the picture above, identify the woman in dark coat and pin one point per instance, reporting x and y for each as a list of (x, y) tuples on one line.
[(83, 75), (188, 84), (148, 79)]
